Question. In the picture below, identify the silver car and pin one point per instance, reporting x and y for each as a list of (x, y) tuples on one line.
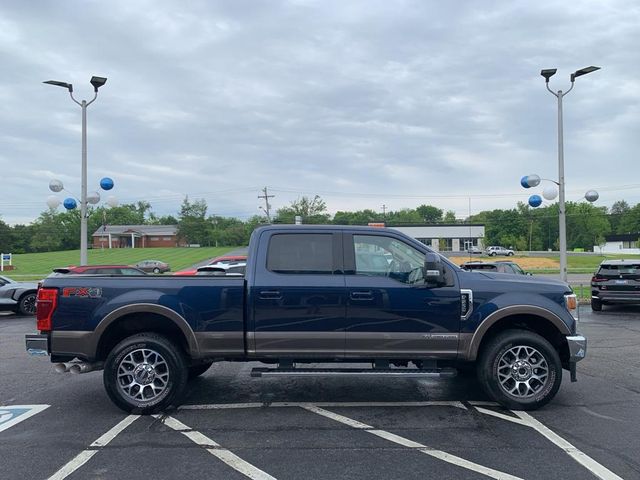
[(18, 296), (495, 250)]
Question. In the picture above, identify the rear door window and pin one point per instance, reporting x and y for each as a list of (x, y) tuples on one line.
[(301, 253)]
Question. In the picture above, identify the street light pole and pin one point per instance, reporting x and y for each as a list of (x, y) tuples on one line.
[(562, 227), (97, 82), (562, 218)]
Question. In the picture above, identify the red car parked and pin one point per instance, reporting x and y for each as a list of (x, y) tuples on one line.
[(224, 259), (99, 270)]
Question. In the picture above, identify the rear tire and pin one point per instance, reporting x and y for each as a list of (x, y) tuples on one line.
[(27, 304), (520, 370), (596, 305), (156, 270), (145, 373), (510, 254)]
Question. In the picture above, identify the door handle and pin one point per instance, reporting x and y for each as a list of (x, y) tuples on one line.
[(364, 295), (270, 295)]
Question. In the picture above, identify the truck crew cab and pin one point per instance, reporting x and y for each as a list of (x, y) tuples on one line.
[(314, 294)]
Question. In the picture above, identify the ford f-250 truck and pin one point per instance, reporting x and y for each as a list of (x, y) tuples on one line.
[(314, 294)]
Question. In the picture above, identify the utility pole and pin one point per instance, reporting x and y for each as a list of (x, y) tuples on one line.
[(384, 212), (267, 208)]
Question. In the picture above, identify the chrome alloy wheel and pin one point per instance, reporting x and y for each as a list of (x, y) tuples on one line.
[(522, 371), (143, 375)]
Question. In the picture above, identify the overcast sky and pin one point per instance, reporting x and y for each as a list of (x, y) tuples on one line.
[(364, 103)]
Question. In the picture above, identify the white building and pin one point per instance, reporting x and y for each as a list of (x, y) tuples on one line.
[(445, 237), (620, 243)]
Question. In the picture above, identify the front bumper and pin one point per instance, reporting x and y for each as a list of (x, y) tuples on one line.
[(616, 297), (577, 351), (37, 344)]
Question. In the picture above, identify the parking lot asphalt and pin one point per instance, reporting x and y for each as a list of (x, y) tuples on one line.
[(233, 426)]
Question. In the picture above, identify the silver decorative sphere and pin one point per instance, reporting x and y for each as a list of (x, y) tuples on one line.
[(56, 185), (591, 196), (93, 197), (112, 201), (53, 201), (550, 192)]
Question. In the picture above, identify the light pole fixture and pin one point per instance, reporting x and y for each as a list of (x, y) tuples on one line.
[(547, 74), (97, 82)]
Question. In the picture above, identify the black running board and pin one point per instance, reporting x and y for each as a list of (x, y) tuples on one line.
[(353, 372)]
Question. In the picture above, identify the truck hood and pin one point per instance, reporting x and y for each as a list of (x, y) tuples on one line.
[(524, 280)]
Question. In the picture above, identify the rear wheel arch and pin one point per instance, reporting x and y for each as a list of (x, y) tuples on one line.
[(135, 319)]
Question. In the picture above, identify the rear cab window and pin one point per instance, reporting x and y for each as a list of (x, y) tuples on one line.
[(301, 253)]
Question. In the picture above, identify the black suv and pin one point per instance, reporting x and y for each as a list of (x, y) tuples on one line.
[(616, 281), (496, 267)]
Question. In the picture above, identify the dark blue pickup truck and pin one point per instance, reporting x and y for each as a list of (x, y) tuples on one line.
[(314, 294)]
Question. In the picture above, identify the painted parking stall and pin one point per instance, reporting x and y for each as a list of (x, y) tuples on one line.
[(284, 439), (13, 414)]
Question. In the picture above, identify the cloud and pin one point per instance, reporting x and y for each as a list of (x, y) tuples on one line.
[(364, 103)]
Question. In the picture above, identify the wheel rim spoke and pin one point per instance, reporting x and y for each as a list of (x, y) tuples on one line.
[(142, 375), (522, 371)]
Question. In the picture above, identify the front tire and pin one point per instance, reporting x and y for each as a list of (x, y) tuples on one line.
[(156, 270), (145, 373), (27, 304), (520, 370), (596, 305), (510, 254)]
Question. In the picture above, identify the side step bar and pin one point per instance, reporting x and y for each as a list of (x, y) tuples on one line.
[(354, 372)]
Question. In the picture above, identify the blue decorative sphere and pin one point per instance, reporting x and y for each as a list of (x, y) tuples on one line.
[(535, 201), (69, 203), (523, 181), (106, 183)]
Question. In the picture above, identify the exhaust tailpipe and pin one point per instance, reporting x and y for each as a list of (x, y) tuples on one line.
[(62, 367), (84, 367)]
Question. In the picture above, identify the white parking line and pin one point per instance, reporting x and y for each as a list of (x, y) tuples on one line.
[(439, 454), (216, 450), (582, 458), (224, 406), (84, 456)]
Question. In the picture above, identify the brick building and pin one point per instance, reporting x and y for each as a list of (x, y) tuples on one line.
[(136, 236)]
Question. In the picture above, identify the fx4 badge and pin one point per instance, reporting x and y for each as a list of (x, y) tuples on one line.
[(85, 292)]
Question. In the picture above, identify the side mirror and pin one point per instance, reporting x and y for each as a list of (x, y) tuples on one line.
[(433, 270)]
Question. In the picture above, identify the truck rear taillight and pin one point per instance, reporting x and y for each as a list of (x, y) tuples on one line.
[(45, 306)]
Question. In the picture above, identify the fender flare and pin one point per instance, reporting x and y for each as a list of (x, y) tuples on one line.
[(177, 319), (487, 323)]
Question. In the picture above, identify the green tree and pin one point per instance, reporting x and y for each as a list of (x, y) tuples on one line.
[(193, 226), (586, 225), (359, 217), (630, 222), (449, 217), (617, 213), (429, 213), (6, 238), (312, 210), (405, 215), (47, 234)]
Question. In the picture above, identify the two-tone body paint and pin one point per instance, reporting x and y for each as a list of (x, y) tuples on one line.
[(329, 316)]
